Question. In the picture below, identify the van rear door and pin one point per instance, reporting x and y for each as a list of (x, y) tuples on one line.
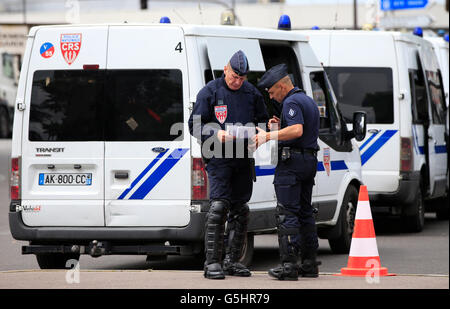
[(147, 148), (370, 84), (63, 148), (436, 130)]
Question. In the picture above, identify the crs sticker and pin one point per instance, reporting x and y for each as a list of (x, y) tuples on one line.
[(327, 160), (47, 50), (70, 46)]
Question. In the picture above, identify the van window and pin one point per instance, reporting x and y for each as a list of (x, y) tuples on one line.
[(364, 89), (419, 96), (143, 105), (437, 97), (65, 106), (112, 105), (322, 96)]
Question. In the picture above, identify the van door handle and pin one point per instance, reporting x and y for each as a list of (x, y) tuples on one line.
[(373, 131), (121, 175)]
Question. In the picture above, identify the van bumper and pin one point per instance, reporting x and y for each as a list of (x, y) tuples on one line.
[(193, 232), (409, 184)]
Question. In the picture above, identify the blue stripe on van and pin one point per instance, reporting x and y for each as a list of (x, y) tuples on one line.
[(142, 174), (264, 170), (158, 174), (383, 139), (440, 149), (335, 166), (368, 141)]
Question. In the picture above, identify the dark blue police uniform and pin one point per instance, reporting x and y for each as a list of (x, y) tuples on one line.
[(294, 177), (230, 174), (294, 181)]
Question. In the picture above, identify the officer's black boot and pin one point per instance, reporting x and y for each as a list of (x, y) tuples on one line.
[(214, 229), (309, 264), (288, 255), (309, 267), (288, 246), (235, 236)]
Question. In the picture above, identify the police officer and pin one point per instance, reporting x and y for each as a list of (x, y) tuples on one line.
[(228, 100), (297, 132)]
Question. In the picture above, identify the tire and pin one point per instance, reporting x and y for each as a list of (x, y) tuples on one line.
[(346, 222), (4, 123), (247, 250), (56, 260), (414, 223)]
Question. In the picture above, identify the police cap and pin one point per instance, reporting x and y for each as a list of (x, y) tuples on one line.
[(239, 63), (273, 75)]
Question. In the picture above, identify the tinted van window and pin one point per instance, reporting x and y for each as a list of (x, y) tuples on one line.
[(112, 105), (437, 97), (364, 89), (143, 105), (65, 106)]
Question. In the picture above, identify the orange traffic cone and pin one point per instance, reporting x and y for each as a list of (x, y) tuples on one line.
[(364, 259)]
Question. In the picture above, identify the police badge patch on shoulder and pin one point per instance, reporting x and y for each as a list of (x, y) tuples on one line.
[(291, 112), (221, 113)]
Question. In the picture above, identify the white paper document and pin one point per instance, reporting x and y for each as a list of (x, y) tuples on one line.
[(241, 131)]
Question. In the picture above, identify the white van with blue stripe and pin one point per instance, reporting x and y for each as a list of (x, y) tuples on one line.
[(102, 159), (396, 79)]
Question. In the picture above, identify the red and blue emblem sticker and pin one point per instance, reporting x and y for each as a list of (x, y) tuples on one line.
[(70, 46), (47, 50), (221, 113), (327, 160)]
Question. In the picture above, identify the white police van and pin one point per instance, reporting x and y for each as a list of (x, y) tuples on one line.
[(396, 79), (102, 159)]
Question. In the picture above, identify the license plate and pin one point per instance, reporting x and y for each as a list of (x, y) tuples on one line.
[(69, 179)]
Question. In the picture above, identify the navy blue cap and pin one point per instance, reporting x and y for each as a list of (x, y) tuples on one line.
[(239, 63), (273, 75)]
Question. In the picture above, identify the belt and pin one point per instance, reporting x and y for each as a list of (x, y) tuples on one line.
[(303, 150)]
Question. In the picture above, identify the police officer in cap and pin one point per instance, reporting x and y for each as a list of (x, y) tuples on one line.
[(228, 100), (297, 132)]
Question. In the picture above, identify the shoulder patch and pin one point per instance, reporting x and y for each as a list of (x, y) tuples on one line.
[(292, 112)]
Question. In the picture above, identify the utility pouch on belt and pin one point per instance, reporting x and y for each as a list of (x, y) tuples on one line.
[(285, 153)]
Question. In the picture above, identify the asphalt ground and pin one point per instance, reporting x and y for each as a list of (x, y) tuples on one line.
[(167, 279)]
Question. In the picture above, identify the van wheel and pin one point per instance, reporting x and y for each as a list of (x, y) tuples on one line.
[(56, 260), (415, 222), (4, 123), (346, 222), (247, 250)]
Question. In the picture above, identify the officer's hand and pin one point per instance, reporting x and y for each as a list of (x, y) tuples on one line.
[(223, 136), (274, 123), (260, 138)]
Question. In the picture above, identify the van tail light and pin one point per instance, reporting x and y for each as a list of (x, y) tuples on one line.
[(406, 155), (15, 179), (199, 180)]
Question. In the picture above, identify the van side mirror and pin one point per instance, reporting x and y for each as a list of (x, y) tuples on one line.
[(359, 125)]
